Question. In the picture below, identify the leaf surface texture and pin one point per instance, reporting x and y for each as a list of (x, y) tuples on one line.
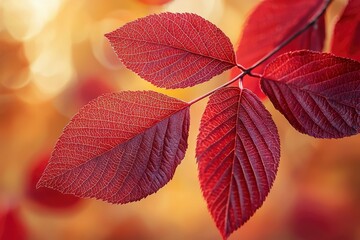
[(173, 50), (120, 147), (317, 92), (238, 153)]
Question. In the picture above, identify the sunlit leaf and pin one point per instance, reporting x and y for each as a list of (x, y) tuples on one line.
[(120, 147), (173, 50)]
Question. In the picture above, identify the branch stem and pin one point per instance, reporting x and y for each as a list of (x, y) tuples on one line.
[(292, 37), (218, 88), (247, 71)]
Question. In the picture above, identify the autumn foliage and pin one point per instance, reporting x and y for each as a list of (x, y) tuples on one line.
[(123, 146)]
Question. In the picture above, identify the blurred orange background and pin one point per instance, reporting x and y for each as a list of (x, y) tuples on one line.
[(54, 58)]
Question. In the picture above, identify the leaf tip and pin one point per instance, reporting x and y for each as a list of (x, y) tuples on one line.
[(225, 233), (108, 35), (39, 184)]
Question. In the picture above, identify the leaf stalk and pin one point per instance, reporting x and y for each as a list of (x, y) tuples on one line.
[(247, 71)]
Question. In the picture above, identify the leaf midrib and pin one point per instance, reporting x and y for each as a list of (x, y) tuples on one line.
[(294, 86), (177, 48), (111, 149)]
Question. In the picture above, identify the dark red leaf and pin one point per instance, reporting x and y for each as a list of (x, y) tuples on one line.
[(238, 153), (270, 24), (44, 196), (173, 50), (318, 93), (346, 39), (11, 227), (120, 147)]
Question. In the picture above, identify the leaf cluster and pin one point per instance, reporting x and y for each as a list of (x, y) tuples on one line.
[(123, 146)]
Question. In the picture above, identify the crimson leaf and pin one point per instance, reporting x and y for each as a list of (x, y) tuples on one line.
[(346, 39), (120, 147), (318, 93), (271, 23), (238, 153), (173, 50)]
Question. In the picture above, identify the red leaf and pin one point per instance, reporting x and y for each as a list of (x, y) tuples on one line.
[(120, 147), (11, 227), (238, 152), (318, 93), (44, 196), (173, 50), (346, 39), (271, 23)]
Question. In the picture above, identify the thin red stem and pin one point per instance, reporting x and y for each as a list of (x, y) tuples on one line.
[(242, 68), (247, 71), (218, 88), (255, 75), (292, 37)]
